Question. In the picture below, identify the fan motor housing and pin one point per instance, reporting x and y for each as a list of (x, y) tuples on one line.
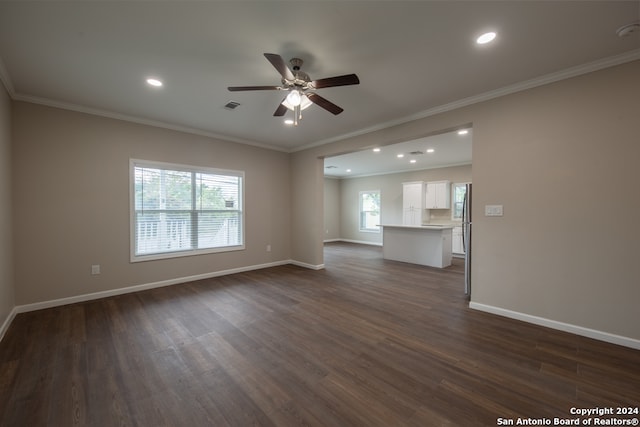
[(296, 63)]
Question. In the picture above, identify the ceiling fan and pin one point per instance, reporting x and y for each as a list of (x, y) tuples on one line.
[(301, 89)]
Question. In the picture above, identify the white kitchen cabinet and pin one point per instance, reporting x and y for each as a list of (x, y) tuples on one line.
[(437, 195), (457, 247), (413, 202)]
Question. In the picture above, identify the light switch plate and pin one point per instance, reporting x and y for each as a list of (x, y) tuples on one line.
[(493, 210)]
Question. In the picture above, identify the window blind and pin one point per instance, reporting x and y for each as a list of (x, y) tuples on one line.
[(181, 210)]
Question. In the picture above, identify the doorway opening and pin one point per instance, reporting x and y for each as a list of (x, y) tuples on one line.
[(445, 157)]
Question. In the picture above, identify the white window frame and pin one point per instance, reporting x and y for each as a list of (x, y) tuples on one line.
[(133, 163), (362, 227), (455, 185)]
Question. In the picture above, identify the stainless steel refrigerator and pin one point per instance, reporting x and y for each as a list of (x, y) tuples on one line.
[(466, 238)]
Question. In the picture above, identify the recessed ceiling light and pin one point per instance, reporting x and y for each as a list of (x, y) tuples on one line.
[(348, 170), (486, 38), (400, 156), (430, 150), (412, 161), (376, 150), (288, 122), (463, 132), (154, 82)]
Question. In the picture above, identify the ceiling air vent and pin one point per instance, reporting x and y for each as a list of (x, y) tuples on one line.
[(416, 153), (331, 167), (232, 105)]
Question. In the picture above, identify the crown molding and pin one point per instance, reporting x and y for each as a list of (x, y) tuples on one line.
[(139, 120), (486, 96), (399, 171)]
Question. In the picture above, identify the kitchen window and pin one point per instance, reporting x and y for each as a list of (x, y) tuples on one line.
[(179, 210), (370, 211), (457, 204)]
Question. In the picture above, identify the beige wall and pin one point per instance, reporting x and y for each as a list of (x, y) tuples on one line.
[(562, 159), (307, 207), (6, 247), (332, 209), (390, 187), (71, 194)]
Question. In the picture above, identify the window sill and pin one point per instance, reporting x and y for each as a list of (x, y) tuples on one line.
[(180, 254)]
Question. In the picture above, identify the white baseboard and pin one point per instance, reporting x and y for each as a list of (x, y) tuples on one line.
[(553, 324), (136, 288), (305, 265), (578, 330)]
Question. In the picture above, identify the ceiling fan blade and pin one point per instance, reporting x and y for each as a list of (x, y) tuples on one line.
[(324, 103), (279, 64), (243, 88), (281, 110), (346, 80)]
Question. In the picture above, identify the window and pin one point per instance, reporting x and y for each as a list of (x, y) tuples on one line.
[(179, 210), (370, 211), (458, 200)]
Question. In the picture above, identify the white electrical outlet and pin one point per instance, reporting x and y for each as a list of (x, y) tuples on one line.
[(95, 269), (268, 248), (493, 210)]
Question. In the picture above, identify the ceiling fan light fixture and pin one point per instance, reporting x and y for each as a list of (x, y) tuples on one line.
[(294, 98), (303, 102), (297, 85)]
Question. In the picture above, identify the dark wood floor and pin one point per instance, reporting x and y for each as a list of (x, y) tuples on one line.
[(366, 342)]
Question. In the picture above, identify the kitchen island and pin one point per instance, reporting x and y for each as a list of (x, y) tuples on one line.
[(428, 245)]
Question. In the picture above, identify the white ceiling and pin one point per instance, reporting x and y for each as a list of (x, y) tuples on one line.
[(449, 149), (412, 57)]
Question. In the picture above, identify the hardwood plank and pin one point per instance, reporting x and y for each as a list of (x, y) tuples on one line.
[(69, 406), (107, 402), (231, 400), (255, 382)]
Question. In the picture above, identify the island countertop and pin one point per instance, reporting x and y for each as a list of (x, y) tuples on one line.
[(428, 244)]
